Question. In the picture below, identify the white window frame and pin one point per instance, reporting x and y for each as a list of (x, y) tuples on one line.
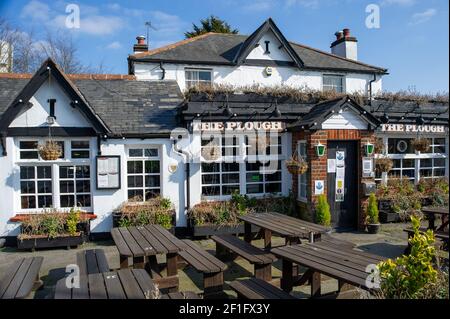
[(302, 179), (143, 159), (66, 161), (36, 181), (342, 76), (191, 83), (74, 179)]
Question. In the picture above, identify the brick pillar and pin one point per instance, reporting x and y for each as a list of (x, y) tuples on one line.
[(366, 137)]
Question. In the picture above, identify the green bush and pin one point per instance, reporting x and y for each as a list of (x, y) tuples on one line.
[(323, 215), (72, 221), (372, 210), (411, 276)]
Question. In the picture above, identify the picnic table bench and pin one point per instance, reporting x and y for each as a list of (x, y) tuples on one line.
[(181, 295), (349, 266), (260, 259), (92, 261), (255, 288), (123, 284), (211, 267), (439, 234), (21, 278), (431, 213), (142, 244)]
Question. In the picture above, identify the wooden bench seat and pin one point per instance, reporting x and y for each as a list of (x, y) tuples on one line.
[(92, 261), (255, 288), (211, 267), (325, 238), (260, 259), (181, 295), (21, 278), (441, 235)]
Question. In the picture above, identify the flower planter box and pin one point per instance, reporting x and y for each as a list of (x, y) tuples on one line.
[(388, 217), (116, 216), (211, 230), (38, 242)]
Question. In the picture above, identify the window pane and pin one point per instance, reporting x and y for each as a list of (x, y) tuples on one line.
[(426, 162), (230, 167), (255, 188), (44, 187), (66, 172), (151, 193), (44, 172), (400, 146), (151, 167), (28, 145), (135, 152), (254, 177), (439, 149), (135, 181), (204, 76), (230, 179), (28, 202), (67, 200), (83, 172), (273, 188), (208, 179), (152, 181), (134, 167), (408, 163), (66, 187), (275, 177), (136, 195), (439, 172), (27, 187), (151, 152), (80, 154), (83, 186), (80, 144), (426, 172), (83, 200), (27, 172), (45, 201), (210, 167), (211, 190), (29, 155), (439, 162), (229, 189)]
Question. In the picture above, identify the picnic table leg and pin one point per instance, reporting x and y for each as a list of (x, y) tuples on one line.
[(287, 281), (431, 220), (267, 239), (212, 283), (315, 285), (247, 232), (139, 262), (123, 262), (172, 269), (293, 241)]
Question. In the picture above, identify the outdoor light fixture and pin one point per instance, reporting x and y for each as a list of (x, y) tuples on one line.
[(320, 149), (369, 149), (276, 112), (50, 120), (420, 121), (227, 111), (385, 119)]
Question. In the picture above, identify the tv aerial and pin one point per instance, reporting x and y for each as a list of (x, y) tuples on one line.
[(149, 26)]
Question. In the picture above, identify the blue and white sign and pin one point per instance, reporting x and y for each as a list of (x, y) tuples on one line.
[(319, 187)]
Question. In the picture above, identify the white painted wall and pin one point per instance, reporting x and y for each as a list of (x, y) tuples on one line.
[(276, 54), (346, 49), (250, 75), (37, 115), (345, 120)]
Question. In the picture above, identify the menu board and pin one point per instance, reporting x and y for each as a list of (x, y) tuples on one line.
[(108, 172)]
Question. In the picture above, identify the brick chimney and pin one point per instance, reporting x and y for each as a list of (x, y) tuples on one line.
[(345, 45), (140, 46)]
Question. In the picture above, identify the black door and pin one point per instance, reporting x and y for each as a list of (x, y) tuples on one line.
[(343, 198)]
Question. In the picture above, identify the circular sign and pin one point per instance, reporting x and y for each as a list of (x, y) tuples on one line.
[(173, 168), (402, 146)]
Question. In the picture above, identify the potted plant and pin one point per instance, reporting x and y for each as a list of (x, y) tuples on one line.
[(52, 229), (383, 164), (421, 144), (296, 166), (373, 225), (157, 210), (50, 150), (379, 146), (323, 215)]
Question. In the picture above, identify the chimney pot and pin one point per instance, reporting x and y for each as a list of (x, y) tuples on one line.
[(140, 39), (346, 32), (140, 46), (339, 35)]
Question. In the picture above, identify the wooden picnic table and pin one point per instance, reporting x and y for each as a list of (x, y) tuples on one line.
[(143, 243), (347, 265), (292, 229), (432, 212), (122, 284)]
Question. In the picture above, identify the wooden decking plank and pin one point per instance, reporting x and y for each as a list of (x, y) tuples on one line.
[(129, 284), (81, 262), (113, 286), (347, 251), (91, 262), (102, 261), (144, 281), (30, 278), (131, 243), (61, 291), (263, 223), (97, 289), (83, 291), (158, 247), (120, 243), (15, 284), (275, 290), (8, 276), (172, 243), (218, 263), (200, 259), (261, 289), (245, 291), (145, 245), (311, 226)]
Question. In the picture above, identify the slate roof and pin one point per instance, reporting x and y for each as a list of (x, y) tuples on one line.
[(128, 107), (221, 49)]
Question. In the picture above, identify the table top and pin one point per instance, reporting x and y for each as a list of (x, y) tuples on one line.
[(283, 225), (148, 240), (122, 284), (339, 262), (435, 210)]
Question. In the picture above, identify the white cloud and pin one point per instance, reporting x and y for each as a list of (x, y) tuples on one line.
[(422, 17), (398, 2), (311, 4), (167, 24), (114, 45), (258, 6), (36, 11)]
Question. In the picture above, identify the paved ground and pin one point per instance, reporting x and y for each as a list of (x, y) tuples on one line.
[(390, 243)]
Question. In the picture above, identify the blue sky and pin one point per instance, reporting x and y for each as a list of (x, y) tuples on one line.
[(412, 41)]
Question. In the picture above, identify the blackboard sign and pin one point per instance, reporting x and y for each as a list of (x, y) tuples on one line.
[(108, 172)]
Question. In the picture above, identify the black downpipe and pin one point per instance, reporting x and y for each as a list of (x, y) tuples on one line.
[(163, 71), (371, 90)]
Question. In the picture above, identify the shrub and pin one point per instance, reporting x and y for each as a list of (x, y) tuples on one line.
[(156, 210), (72, 221), (372, 210), (409, 275), (323, 215)]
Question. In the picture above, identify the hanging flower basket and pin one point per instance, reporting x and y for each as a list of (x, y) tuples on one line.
[(384, 164), (421, 144), (379, 146), (211, 152), (50, 151), (296, 166)]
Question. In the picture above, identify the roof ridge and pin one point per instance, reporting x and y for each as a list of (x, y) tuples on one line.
[(337, 56), (73, 76), (172, 46)]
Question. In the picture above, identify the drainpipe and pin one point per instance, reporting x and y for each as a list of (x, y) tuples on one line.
[(163, 76), (371, 90), (187, 172)]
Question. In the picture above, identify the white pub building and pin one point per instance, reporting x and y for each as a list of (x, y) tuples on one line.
[(121, 134)]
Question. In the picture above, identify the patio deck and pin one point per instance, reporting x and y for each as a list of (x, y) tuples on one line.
[(390, 242)]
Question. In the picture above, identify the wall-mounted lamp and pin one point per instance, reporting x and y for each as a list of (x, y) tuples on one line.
[(320, 149), (369, 149)]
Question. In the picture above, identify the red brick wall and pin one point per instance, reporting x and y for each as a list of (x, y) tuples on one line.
[(318, 165)]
